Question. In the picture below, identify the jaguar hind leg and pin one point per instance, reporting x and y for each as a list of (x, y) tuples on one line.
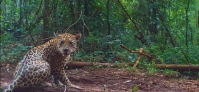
[(32, 76)]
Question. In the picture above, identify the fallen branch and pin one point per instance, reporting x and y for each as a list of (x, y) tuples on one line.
[(139, 58), (142, 53)]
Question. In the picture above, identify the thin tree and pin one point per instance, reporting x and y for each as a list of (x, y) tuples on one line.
[(46, 19), (107, 18)]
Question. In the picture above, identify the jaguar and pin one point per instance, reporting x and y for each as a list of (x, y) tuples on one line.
[(44, 61)]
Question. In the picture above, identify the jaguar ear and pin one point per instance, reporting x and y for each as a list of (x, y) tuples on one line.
[(78, 36), (55, 34)]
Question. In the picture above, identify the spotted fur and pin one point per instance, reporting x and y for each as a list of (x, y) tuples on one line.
[(45, 60)]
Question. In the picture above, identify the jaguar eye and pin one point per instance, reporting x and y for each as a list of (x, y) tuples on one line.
[(61, 43), (71, 42)]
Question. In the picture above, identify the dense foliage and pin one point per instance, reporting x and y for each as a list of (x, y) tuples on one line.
[(167, 29)]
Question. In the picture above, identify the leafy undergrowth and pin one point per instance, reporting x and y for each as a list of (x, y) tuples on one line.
[(113, 80)]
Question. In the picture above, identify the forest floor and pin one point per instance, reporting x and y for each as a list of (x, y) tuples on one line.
[(113, 80)]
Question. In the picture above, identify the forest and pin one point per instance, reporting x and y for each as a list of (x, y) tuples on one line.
[(125, 45)]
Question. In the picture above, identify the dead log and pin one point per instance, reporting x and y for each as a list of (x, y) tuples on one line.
[(90, 64), (178, 67), (159, 66)]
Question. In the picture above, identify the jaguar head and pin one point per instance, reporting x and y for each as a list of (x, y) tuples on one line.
[(68, 43)]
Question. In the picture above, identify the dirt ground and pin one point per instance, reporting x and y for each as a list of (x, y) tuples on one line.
[(112, 80)]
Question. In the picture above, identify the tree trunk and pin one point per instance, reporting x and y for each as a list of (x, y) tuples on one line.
[(108, 23), (79, 5), (187, 24), (0, 15), (153, 21), (72, 11), (21, 14), (187, 27), (198, 18), (86, 13), (46, 20), (86, 9)]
